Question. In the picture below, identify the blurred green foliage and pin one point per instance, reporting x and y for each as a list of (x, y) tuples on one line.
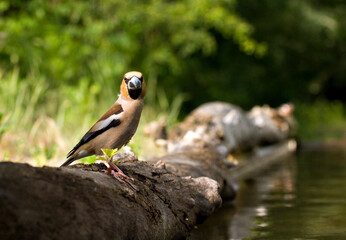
[(324, 120), (97, 41), (306, 58), (245, 52), (65, 59)]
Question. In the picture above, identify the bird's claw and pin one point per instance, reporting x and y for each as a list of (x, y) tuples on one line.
[(111, 168), (114, 167), (114, 174)]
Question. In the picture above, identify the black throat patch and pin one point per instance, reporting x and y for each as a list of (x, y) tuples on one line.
[(134, 94)]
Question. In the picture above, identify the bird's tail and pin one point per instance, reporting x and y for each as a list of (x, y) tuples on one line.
[(68, 162)]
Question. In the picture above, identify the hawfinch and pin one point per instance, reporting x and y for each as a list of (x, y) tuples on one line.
[(117, 126)]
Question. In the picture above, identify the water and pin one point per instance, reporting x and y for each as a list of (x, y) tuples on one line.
[(303, 197)]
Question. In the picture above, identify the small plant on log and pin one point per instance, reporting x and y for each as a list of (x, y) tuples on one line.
[(108, 155)]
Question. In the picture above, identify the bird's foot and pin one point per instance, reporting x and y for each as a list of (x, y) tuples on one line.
[(113, 170), (114, 167), (110, 171)]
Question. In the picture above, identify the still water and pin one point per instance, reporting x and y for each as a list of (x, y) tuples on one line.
[(303, 197)]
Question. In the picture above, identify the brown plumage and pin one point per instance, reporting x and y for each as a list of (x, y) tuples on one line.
[(117, 126)]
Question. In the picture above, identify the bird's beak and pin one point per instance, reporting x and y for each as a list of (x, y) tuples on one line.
[(134, 84)]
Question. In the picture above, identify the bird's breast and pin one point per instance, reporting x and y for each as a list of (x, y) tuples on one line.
[(118, 136), (122, 134)]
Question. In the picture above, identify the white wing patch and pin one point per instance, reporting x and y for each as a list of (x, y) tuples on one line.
[(104, 123), (83, 153)]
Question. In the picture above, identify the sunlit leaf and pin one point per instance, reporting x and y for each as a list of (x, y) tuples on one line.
[(109, 152), (101, 158)]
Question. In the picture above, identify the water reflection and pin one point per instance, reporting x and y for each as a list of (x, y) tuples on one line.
[(302, 198)]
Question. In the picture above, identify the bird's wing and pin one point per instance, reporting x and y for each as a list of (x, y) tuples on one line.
[(110, 119)]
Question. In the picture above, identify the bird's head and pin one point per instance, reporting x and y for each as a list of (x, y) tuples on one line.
[(133, 86)]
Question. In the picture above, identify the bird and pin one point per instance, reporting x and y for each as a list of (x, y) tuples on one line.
[(117, 126)]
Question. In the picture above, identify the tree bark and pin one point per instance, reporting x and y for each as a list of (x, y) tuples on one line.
[(85, 203)]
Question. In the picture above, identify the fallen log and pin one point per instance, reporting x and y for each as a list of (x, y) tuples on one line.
[(228, 129), (170, 194), (84, 203), (262, 159), (201, 144)]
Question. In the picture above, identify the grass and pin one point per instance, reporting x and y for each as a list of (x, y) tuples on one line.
[(39, 125)]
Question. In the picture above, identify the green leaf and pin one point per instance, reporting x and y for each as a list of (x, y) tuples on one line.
[(109, 153), (101, 158)]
